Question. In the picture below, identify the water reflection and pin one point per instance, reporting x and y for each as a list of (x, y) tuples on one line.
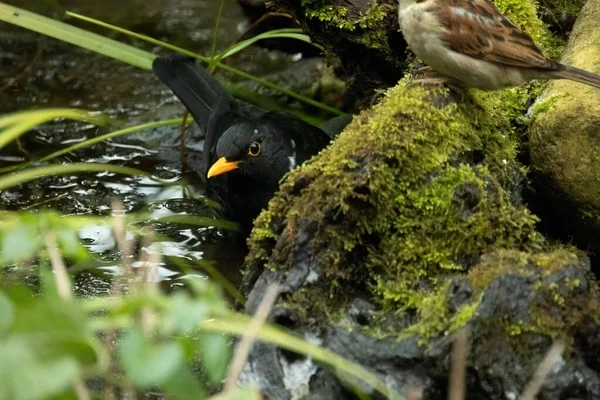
[(42, 72)]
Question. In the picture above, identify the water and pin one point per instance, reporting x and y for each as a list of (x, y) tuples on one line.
[(38, 72)]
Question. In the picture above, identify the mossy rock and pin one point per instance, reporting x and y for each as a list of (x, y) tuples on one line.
[(513, 305), (361, 36), (414, 190), (410, 227), (565, 141)]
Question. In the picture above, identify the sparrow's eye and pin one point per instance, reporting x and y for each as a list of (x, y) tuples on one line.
[(254, 149)]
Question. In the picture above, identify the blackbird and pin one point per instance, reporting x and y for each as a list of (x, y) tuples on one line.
[(247, 150)]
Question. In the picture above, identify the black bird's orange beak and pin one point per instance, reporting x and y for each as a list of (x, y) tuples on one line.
[(222, 166)]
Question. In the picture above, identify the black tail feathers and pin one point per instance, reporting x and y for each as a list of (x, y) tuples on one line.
[(197, 89)]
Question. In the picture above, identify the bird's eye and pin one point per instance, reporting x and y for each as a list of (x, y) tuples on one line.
[(254, 149)]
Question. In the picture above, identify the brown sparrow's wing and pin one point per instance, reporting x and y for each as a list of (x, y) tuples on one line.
[(477, 29)]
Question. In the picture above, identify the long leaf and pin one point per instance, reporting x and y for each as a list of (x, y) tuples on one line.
[(15, 125), (79, 37), (239, 324), (68, 169), (213, 50), (207, 60), (94, 140), (276, 34)]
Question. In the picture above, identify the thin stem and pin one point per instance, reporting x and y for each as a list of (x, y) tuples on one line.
[(245, 345), (213, 50), (535, 384), (458, 366), (63, 283)]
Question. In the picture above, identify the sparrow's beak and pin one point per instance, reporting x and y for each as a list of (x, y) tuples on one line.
[(222, 166)]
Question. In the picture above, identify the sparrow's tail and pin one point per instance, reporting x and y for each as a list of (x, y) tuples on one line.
[(191, 83), (580, 75)]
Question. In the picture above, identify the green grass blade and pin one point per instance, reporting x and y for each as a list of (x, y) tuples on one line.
[(214, 274), (14, 125), (68, 169), (239, 324), (225, 67), (79, 37), (95, 140), (275, 34), (145, 38), (213, 51)]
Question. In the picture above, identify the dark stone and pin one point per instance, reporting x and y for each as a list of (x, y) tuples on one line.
[(460, 293), (499, 365)]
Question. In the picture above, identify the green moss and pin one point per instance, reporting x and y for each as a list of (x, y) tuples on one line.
[(338, 16), (436, 317), (512, 262), (401, 173), (409, 196), (544, 105), (372, 24)]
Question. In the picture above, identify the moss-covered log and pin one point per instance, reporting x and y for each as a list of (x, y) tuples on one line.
[(409, 227), (565, 141)]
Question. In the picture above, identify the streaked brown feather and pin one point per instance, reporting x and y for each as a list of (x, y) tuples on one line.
[(477, 28)]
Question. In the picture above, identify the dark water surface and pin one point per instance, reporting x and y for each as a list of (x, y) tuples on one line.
[(40, 72)]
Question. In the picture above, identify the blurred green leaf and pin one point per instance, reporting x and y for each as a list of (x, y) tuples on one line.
[(25, 375), (45, 347), (21, 242), (149, 364), (183, 385), (70, 244), (185, 314), (12, 126), (216, 352), (7, 313), (248, 393), (55, 328)]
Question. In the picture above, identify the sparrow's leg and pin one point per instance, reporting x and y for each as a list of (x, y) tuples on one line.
[(425, 70)]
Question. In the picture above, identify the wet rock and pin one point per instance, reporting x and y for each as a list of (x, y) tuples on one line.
[(564, 143), (421, 232), (522, 302)]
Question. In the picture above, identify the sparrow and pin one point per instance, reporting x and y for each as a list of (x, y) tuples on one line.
[(247, 150), (471, 42)]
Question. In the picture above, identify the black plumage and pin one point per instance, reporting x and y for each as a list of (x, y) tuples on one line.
[(246, 150)]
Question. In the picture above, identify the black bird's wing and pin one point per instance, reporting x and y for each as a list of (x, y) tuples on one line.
[(309, 139), (197, 89), (336, 125)]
